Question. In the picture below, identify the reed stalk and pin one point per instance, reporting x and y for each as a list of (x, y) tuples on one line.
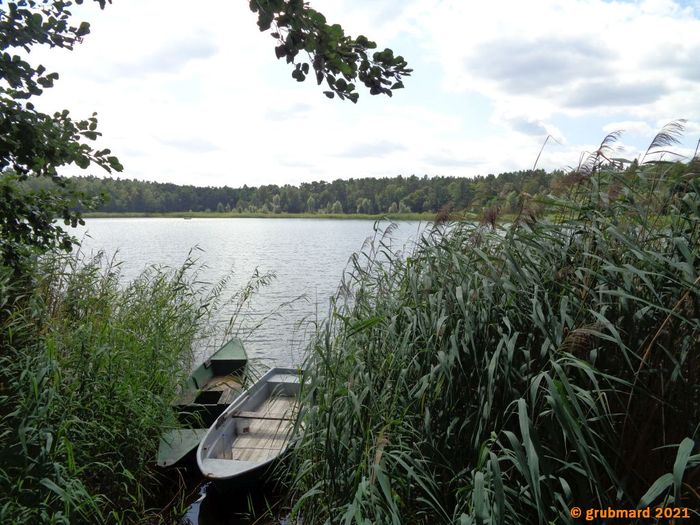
[(506, 374)]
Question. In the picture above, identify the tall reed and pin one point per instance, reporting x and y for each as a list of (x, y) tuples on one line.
[(504, 375), (88, 370)]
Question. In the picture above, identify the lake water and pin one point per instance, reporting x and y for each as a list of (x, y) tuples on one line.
[(308, 257)]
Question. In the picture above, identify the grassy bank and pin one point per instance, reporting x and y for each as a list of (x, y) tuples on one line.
[(234, 215), (505, 376), (87, 373), (396, 217)]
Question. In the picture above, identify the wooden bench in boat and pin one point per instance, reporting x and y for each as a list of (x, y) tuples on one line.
[(255, 430), (244, 414)]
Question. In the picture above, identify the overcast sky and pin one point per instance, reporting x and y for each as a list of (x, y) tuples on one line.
[(191, 92)]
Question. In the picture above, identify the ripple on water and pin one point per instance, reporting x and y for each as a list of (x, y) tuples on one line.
[(307, 255)]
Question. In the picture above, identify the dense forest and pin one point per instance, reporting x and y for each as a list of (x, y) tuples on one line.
[(363, 195), (398, 194)]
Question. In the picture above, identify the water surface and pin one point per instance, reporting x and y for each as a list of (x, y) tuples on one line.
[(308, 257)]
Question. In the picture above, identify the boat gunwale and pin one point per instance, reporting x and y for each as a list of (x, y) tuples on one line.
[(228, 415), (196, 416)]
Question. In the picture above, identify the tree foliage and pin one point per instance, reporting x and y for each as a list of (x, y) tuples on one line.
[(506, 193), (36, 144), (336, 58), (33, 143), (357, 195)]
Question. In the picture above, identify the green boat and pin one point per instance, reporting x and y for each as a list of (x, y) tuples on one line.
[(211, 388)]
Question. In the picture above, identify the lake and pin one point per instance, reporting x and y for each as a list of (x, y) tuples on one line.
[(308, 257)]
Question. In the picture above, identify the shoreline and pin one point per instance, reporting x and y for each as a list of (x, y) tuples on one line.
[(425, 217), (234, 215)]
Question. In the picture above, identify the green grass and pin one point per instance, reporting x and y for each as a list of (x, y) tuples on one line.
[(426, 216), (506, 375), (247, 215), (88, 371)]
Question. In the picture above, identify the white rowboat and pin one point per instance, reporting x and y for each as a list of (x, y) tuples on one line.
[(254, 430)]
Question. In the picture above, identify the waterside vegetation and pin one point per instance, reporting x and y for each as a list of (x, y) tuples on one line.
[(88, 371), (506, 375), (262, 215)]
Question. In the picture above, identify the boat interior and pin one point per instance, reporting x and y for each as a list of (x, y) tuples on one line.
[(258, 428), (215, 390)]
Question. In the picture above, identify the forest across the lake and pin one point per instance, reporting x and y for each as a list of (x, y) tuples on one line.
[(399, 195)]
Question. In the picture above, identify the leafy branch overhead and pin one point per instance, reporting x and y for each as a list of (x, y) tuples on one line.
[(36, 144), (338, 59), (33, 143)]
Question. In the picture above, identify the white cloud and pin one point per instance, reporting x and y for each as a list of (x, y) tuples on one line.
[(584, 54), (631, 127), (194, 96)]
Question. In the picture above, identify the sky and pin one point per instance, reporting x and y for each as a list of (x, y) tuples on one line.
[(192, 93)]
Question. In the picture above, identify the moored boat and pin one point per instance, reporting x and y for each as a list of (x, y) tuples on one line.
[(211, 387), (254, 431)]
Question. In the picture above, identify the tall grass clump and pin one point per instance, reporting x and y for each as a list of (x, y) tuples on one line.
[(88, 370), (504, 375)]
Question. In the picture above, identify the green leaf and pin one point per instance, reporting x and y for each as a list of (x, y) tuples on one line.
[(360, 326), (479, 499), (84, 29), (265, 19), (54, 488), (684, 450), (498, 489), (533, 461), (657, 488)]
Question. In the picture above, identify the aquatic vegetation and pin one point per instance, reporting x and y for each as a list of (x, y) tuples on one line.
[(505, 375), (88, 369)]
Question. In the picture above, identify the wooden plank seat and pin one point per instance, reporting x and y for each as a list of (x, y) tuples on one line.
[(244, 414)]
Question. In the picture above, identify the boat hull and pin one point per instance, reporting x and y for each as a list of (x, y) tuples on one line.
[(210, 389), (251, 436)]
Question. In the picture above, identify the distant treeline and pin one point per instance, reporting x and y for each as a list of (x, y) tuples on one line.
[(366, 195)]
